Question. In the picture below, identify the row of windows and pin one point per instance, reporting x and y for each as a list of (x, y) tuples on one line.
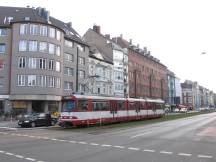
[(38, 80), (41, 30), (71, 44), (35, 46), (38, 63)]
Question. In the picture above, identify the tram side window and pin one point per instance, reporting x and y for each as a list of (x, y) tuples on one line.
[(159, 106), (69, 106), (131, 104), (121, 105), (83, 105), (100, 106), (142, 106)]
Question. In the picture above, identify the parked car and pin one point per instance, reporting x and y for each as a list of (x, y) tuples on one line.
[(37, 119), (183, 110)]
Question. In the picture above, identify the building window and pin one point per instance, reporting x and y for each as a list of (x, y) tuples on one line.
[(42, 63), (81, 61), (31, 80), (43, 31), (23, 29), (22, 62), (69, 43), (81, 87), (51, 48), (81, 47), (58, 50), (58, 35), (33, 46), (21, 80), (43, 47), (23, 45), (1, 64), (51, 81), (58, 83), (51, 64), (3, 32), (33, 29), (1, 81), (68, 71), (2, 48), (32, 63), (41, 81), (81, 73), (68, 85), (58, 68), (68, 57), (51, 32)]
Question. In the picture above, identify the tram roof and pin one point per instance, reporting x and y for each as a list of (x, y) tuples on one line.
[(112, 98)]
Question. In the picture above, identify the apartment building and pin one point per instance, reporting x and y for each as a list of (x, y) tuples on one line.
[(41, 60)]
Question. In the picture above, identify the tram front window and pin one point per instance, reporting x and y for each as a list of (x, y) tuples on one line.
[(69, 106)]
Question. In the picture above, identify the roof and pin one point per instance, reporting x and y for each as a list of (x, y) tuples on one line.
[(99, 41), (19, 13)]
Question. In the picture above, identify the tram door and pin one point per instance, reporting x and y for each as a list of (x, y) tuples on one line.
[(113, 109), (137, 108)]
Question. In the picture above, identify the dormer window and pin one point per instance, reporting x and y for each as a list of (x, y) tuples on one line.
[(26, 18)]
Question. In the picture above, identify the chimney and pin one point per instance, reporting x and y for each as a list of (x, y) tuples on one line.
[(69, 24), (47, 16), (137, 45), (121, 36), (145, 50), (96, 28), (107, 36), (130, 41), (149, 53)]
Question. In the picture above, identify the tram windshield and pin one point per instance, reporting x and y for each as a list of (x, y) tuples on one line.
[(68, 106)]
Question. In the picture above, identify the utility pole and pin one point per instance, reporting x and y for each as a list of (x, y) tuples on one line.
[(77, 70)]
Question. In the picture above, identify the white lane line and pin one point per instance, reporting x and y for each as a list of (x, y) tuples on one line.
[(142, 134), (9, 128), (83, 143), (205, 156), (134, 148), (61, 140), (104, 145), (72, 141), (8, 153), (147, 150), (53, 139), (2, 151), (94, 144), (184, 154), (121, 147), (166, 152), (19, 156), (30, 159), (3, 133)]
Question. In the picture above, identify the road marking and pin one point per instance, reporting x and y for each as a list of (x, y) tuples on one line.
[(61, 140), (2, 151), (184, 154), (147, 150), (4, 133), (134, 148), (205, 156), (19, 156), (53, 139), (166, 152), (72, 141), (8, 153), (94, 144), (121, 147), (104, 145), (8, 128), (138, 135), (30, 159), (84, 143)]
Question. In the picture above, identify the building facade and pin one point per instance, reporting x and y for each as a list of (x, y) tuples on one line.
[(147, 76), (41, 60), (111, 52)]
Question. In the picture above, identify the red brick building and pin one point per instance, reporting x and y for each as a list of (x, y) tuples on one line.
[(147, 76)]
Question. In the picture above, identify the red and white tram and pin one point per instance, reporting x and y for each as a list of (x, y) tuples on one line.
[(85, 110)]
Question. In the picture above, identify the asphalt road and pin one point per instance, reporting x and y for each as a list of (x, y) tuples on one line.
[(191, 139)]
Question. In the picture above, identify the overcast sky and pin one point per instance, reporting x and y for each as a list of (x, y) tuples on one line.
[(175, 31)]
